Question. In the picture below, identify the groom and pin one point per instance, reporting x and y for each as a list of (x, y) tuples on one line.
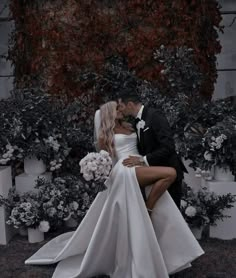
[(155, 140)]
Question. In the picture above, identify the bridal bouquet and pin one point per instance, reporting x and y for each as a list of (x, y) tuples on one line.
[(96, 166)]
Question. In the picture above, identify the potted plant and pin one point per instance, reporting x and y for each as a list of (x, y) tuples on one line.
[(219, 149), (33, 128), (67, 197), (204, 208), (193, 212), (25, 212), (214, 205)]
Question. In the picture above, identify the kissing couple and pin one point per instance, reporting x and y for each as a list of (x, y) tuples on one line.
[(128, 232)]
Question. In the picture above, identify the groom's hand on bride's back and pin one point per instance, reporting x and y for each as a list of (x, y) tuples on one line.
[(132, 161)]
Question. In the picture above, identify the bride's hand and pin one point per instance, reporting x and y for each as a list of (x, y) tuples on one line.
[(132, 161)]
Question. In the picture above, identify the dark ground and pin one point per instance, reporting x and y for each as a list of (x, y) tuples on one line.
[(219, 260)]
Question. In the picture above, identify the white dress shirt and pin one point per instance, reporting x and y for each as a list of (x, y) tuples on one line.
[(139, 115)]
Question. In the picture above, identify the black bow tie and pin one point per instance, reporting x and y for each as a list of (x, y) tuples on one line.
[(137, 120)]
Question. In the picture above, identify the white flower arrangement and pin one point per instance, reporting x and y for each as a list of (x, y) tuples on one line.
[(96, 166), (217, 142), (218, 147), (204, 207), (54, 197), (10, 153), (66, 197), (24, 210), (191, 209), (53, 143)]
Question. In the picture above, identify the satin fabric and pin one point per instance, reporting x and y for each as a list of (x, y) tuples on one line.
[(117, 236)]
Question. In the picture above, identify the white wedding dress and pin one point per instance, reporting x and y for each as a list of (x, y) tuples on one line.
[(117, 236)]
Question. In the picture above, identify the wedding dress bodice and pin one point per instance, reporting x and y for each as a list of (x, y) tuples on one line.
[(125, 145)]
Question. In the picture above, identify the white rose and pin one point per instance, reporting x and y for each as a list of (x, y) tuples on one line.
[(207, 156), (102, 152), (44, 226), (183, 203), (190, 211), (51, 211), (75, 205), (223, 136), (88, 177), (8, 146), (10, 151)]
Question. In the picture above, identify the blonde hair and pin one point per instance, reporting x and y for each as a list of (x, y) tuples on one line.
[(106, 132)]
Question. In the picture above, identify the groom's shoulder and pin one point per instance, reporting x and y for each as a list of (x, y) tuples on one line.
[(155, 111)]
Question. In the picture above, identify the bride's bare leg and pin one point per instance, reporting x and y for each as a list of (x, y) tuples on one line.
[(160, 178)]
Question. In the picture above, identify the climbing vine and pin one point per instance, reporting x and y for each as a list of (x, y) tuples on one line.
[(55, 41)]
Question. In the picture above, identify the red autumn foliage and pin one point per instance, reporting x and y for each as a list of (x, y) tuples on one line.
[(55, 41)]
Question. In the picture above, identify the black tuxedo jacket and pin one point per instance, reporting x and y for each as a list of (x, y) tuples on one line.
[(156, 142)]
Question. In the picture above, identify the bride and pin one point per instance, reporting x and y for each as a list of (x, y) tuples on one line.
[(120, 235)]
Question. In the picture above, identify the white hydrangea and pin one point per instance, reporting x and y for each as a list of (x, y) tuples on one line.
[(217, 142), (75, 205), (52, 142), (44, 226), (190, 211)]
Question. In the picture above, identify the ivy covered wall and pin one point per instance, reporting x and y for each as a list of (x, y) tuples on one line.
[(56, 41)]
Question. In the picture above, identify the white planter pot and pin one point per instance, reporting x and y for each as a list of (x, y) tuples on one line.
[(71, 223), (34, 166), (222, 174), (197, 232), (35, 235)]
